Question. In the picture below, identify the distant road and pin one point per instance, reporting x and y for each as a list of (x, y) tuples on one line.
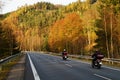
[(47, 67)]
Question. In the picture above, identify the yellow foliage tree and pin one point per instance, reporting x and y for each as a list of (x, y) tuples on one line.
[(67, 33)]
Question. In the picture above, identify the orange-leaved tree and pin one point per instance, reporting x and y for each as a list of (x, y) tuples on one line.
[(67, 33)]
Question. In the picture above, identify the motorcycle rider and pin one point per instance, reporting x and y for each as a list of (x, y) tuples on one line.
[(64, 52), (97, 55)]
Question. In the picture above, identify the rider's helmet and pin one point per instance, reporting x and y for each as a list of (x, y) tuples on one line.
[(64, 50)]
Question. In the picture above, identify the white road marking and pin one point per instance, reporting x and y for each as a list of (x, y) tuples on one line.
[(102, 66), (68, 65), (112, 68), (102, 77), (35, 74)]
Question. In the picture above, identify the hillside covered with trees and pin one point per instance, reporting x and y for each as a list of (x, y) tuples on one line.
[(80, 27)]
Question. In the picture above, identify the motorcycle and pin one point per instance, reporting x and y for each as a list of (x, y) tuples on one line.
[(97, 64), (65, 56)]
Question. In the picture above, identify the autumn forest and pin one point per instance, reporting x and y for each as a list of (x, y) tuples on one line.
[(80, 28)]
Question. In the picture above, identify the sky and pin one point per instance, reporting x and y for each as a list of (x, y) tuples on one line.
[(12, 5)]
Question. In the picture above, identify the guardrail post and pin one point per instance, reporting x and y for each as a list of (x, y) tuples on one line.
[(0, 68)]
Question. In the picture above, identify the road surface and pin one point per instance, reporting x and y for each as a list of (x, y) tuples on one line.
[(47, 67)]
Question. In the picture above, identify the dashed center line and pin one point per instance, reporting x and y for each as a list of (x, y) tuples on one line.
[(102, 77), (68, 65)]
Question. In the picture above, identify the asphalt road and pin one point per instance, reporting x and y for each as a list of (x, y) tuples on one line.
[(48, 67)]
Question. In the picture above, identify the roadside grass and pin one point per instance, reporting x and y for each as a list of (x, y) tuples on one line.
[(5, 68)]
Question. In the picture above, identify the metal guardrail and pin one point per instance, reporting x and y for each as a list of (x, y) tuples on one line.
[(104, 59), (7, 58), (87, 57), (114, 60)]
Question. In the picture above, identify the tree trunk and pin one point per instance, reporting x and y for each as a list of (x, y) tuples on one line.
[(111, 39), (105, 25)]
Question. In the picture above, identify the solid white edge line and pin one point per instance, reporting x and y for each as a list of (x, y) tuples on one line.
[(35, 74), (102, 77), (115, 69), (112, 68)]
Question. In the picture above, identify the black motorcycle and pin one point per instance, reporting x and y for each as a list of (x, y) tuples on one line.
[(97, 64), (64, 56)]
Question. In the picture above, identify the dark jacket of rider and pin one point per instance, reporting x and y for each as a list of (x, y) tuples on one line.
[(97, 55), (64, 52)]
